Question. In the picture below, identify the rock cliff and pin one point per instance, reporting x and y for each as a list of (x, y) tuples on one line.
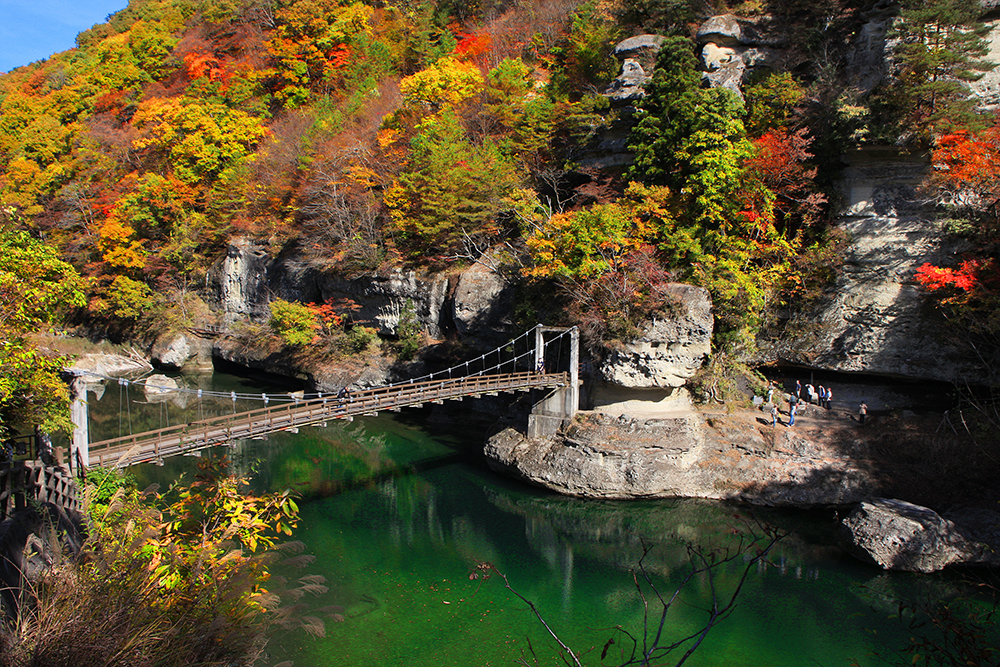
[(670, 349), (475, 303), (875, 320)]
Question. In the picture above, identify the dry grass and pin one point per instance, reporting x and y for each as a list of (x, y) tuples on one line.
[(90, 614), (137, 598)]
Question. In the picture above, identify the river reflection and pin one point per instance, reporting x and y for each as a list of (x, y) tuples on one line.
[(398, 513)]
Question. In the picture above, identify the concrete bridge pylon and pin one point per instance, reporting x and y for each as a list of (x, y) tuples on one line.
[(561, 404)]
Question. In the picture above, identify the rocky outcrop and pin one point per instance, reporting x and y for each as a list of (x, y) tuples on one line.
[(732, 48), (373, 372), (482, 305), (638, 58), (898, 535), (182, 352), (686, 455), (609, 148), (97, 366), (866, 55), (248, 279), (381, 299), (876, 320), (241, 280), (670, 349), (987, 89)]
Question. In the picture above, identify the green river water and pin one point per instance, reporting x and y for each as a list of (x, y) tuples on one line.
[(398, 511)]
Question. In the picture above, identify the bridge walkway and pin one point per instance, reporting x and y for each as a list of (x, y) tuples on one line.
[(183, 438)]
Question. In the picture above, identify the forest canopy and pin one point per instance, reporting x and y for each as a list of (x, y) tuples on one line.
[(429, 134)]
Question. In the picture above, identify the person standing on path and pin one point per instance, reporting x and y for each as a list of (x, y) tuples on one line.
[(798, 389), (774, 415), (791, 414), (862, 412), (829, 398)]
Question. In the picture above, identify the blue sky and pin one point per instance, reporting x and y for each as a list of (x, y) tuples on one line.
[(31, 30)]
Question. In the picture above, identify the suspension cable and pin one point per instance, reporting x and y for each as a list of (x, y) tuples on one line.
[(462, 369)]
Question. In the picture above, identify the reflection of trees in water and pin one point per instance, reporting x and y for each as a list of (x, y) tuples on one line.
[(616, 534), (316, 461)]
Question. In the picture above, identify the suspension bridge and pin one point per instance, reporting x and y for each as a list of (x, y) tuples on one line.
[(527, 363)]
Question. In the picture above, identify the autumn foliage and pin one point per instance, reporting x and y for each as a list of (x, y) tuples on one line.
[(429, 133)]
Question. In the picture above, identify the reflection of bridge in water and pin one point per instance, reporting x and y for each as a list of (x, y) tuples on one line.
[(505, 376)]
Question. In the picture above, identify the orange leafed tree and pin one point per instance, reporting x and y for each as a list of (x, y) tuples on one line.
[(967, 170), (780, 164)]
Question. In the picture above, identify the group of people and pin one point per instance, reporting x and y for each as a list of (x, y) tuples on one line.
[(823, 397)]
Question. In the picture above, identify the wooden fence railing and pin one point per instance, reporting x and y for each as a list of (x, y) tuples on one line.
[(24, 481), (181, 438)]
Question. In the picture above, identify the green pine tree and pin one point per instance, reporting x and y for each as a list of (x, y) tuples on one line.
[(940, 47)]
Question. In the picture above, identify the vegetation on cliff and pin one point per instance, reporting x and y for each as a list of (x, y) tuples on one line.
[(370, 135)]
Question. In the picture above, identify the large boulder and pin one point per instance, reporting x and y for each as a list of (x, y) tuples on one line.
[(643, 49), (670, 349), (182, 352), (897, 535)]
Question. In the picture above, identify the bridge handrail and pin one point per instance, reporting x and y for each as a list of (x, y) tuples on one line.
[(319, 409)]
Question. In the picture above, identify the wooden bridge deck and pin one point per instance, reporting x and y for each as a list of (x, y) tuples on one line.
[(182, 438)]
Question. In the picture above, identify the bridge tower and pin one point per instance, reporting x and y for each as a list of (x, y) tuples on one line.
[(560, 406), (79, 412)]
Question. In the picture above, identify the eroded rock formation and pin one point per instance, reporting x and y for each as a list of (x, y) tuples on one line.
[(730, 457), (670, 349), (876, 320)]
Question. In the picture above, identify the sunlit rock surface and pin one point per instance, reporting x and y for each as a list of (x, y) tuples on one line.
[(875, 319), (685, 454)]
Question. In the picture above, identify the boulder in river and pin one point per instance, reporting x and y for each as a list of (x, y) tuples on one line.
[(898, 535)]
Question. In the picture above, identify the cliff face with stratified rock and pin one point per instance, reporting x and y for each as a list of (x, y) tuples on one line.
[(875, 319), (670, 349)]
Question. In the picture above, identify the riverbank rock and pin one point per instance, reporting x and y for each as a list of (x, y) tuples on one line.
[(897, 535), (98, 366), (736, 456), (182, 352), (670, 349)]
